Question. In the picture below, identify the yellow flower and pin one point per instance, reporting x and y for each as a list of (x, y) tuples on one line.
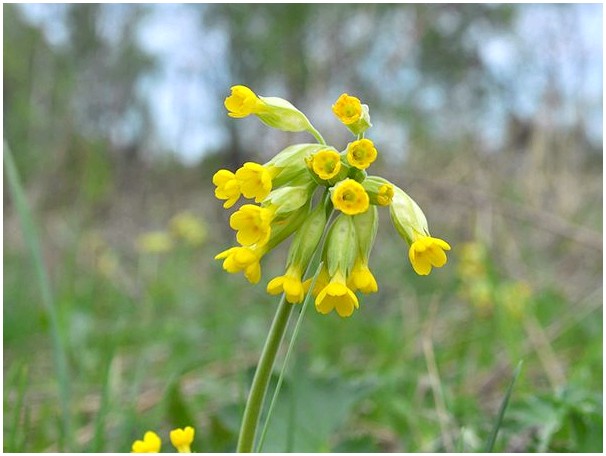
[(326, 164), (362, 279), (349, 197), (361, 154), (228, 187), (151, 443), (348, 109), (255, 180), (385, 195), (289, 283), (427, 251), (154, 242), (245, 259), (337, 296), (243, 102), (252, 223), (182, 439), (188, 227)]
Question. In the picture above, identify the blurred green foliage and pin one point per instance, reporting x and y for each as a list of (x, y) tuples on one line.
[(158, 340)]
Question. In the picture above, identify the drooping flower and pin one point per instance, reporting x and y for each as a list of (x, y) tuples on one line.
[(300, 253), (326, 164), (255, 180), (246, 259), (361, 278), (252, 223), (366, 226), (427, 252), (337, 296), (182, 439), (151, 443), (243, 102), (349, 197), (361, 153), (228, 187)]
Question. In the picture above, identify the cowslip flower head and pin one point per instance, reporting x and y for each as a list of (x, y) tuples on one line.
[(154, 242), (349, 197), (255, 180), (272, 111), (325, 164), (228, 187), (182, 439), (188, 227), (427, 252), (252, 223), (380, 191), (151, 443), (361, 153), (352, 113)]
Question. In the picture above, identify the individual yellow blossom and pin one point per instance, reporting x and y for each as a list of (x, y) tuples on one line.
[(380, 191), (151, 443), (243, 102), (326, 164), (290, 284), (252, 223), (154, 242), (348, 109), (427, 252), (337, 296), (349, 197), (245, 259), (361, 154), (182, 439), (228, 187), (362, 279), (255, 180), (385, 195), (188, 227)]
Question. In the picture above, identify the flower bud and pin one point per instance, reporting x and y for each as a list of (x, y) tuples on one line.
[(380, 191)]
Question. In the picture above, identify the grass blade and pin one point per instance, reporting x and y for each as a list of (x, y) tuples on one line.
[(497, 425), (291, 344), (32, 241)]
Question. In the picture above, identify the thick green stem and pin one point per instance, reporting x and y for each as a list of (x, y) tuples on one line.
[(258, 389)]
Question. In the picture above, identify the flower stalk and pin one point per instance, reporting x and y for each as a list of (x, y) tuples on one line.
[(260, 382)]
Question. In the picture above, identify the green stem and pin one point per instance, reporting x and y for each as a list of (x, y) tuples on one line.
[(316, 134), (58, 345), (258, 389)]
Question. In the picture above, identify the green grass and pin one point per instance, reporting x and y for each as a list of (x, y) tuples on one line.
[(170, 340)]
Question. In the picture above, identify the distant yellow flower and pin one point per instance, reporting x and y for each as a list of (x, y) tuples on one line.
[(245, 259), (182, 439), (228, 187), (348, 109), (326, 164), (255, 180), (188, 227), (361, 154), (154, 242), (290, 283), (337, 296), (151, 443), (349, 197), (427, 252), (252, 223), (243, 102), (362, 279)]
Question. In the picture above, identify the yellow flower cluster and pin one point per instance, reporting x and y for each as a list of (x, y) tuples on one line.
[(344, 217), (181, 439), (183, 227)]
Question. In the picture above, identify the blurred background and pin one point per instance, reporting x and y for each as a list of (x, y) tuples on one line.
[(489, 116)]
